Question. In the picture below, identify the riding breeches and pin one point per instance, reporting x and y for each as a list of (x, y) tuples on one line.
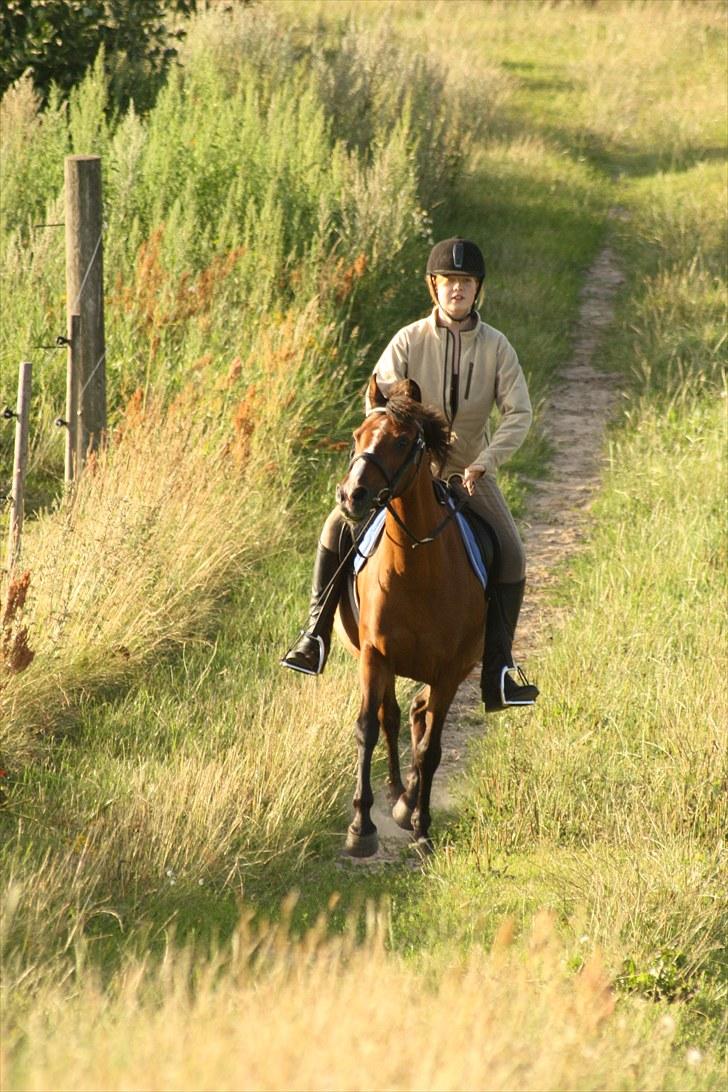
[(487, 501)]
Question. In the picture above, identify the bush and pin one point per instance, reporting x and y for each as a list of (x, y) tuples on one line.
[(56, 41)]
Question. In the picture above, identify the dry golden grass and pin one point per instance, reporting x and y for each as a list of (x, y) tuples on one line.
[(332, 1014), (161, 524), (133, 560), (266, 780)]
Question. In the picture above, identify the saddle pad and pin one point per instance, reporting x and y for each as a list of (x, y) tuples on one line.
[(370, 541)]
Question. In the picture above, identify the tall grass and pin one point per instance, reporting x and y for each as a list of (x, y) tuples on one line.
[(608, 803), (243, 240), (513, 1016), (236, 194), (129, 563), (646, 753), (193, 818), (616, 785)]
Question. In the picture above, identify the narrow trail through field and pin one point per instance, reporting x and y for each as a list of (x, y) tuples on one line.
[(574, 421)]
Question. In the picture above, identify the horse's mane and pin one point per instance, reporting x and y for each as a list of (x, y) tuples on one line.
[(407, 411)]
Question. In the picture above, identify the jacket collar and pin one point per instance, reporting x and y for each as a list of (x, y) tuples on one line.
[(435, 326)]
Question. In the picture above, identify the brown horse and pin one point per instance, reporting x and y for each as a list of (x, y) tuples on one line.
[(422, 610)]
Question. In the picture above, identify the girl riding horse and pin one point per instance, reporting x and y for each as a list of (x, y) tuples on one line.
[(463, 367)]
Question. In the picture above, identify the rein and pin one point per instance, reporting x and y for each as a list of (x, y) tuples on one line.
[(452, 512), (387, 495)]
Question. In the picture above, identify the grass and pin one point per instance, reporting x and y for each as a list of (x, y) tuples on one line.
[(570, 930), (522, 1020)]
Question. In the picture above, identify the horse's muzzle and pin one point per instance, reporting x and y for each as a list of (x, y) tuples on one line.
[(355, 505)]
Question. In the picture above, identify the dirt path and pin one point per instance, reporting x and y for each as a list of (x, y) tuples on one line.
[(555, 524)]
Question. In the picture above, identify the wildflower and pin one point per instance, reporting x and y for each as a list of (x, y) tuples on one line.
[(667, 1025)]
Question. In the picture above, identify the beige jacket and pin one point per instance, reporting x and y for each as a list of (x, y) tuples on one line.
[(463, 375)]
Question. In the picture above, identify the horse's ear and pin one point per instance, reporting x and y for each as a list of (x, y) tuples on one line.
[(375, 396), (413, 390)]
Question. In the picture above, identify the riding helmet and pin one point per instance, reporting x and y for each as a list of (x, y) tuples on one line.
[(456, 256)]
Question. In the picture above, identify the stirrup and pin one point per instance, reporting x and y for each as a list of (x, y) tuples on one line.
[(287, 661), (524, 682)]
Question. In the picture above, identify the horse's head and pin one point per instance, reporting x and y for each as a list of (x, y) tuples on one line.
[(388, 448)]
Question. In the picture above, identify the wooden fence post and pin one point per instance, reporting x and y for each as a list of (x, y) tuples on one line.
[(85, 296), (20, 462), (72, 389)]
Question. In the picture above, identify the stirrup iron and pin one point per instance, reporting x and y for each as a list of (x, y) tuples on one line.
[(286, 662), (524, 682)]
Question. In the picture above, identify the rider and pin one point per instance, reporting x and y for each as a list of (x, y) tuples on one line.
[(463, 367)]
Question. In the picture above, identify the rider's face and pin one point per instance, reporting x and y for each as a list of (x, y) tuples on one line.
[(456, 293)]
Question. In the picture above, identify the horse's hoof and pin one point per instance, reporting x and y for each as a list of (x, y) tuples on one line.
[(393, 793), (423, 847), (402, 814), (361, 845)]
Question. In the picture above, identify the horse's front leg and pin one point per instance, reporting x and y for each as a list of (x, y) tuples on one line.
[(389, 717), (402, 810), (426, 758), (361, 840)]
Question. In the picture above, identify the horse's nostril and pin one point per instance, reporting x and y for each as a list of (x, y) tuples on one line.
[(358, 494)]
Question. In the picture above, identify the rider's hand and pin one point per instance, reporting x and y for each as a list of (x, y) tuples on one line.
[(471, 476)]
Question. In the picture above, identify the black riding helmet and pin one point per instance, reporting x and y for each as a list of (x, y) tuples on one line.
[(455, 256)]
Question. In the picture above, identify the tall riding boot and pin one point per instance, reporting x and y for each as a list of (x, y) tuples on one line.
[(311, 651), (499, 688)]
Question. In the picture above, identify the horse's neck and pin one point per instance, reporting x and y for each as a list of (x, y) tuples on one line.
[(418, 510)]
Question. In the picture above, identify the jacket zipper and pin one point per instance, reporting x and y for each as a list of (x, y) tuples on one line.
[(470, 376), (455, 377), (444, 381)]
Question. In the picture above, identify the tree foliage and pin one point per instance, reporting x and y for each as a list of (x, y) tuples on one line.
[(57, 40)]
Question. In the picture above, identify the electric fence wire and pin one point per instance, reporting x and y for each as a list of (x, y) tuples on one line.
[(61, 342)]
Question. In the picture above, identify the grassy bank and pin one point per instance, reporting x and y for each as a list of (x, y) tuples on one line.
[(241, 274), (141, 842)]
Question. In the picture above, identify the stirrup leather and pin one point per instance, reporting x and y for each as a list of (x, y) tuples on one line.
[(524, 682)]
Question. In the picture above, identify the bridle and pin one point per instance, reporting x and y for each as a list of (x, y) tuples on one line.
[(384, 498), (412, 458)]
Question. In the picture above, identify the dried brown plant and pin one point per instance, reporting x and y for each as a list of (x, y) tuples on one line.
[(15, 653)]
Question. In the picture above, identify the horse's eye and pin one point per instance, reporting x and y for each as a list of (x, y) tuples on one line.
[(402, 442)]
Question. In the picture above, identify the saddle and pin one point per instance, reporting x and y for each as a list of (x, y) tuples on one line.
[(483, 533)]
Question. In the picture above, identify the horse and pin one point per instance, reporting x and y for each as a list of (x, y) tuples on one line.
[(421, 610)]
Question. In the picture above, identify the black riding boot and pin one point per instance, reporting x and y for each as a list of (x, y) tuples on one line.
[(500, 690), (311, 651)]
